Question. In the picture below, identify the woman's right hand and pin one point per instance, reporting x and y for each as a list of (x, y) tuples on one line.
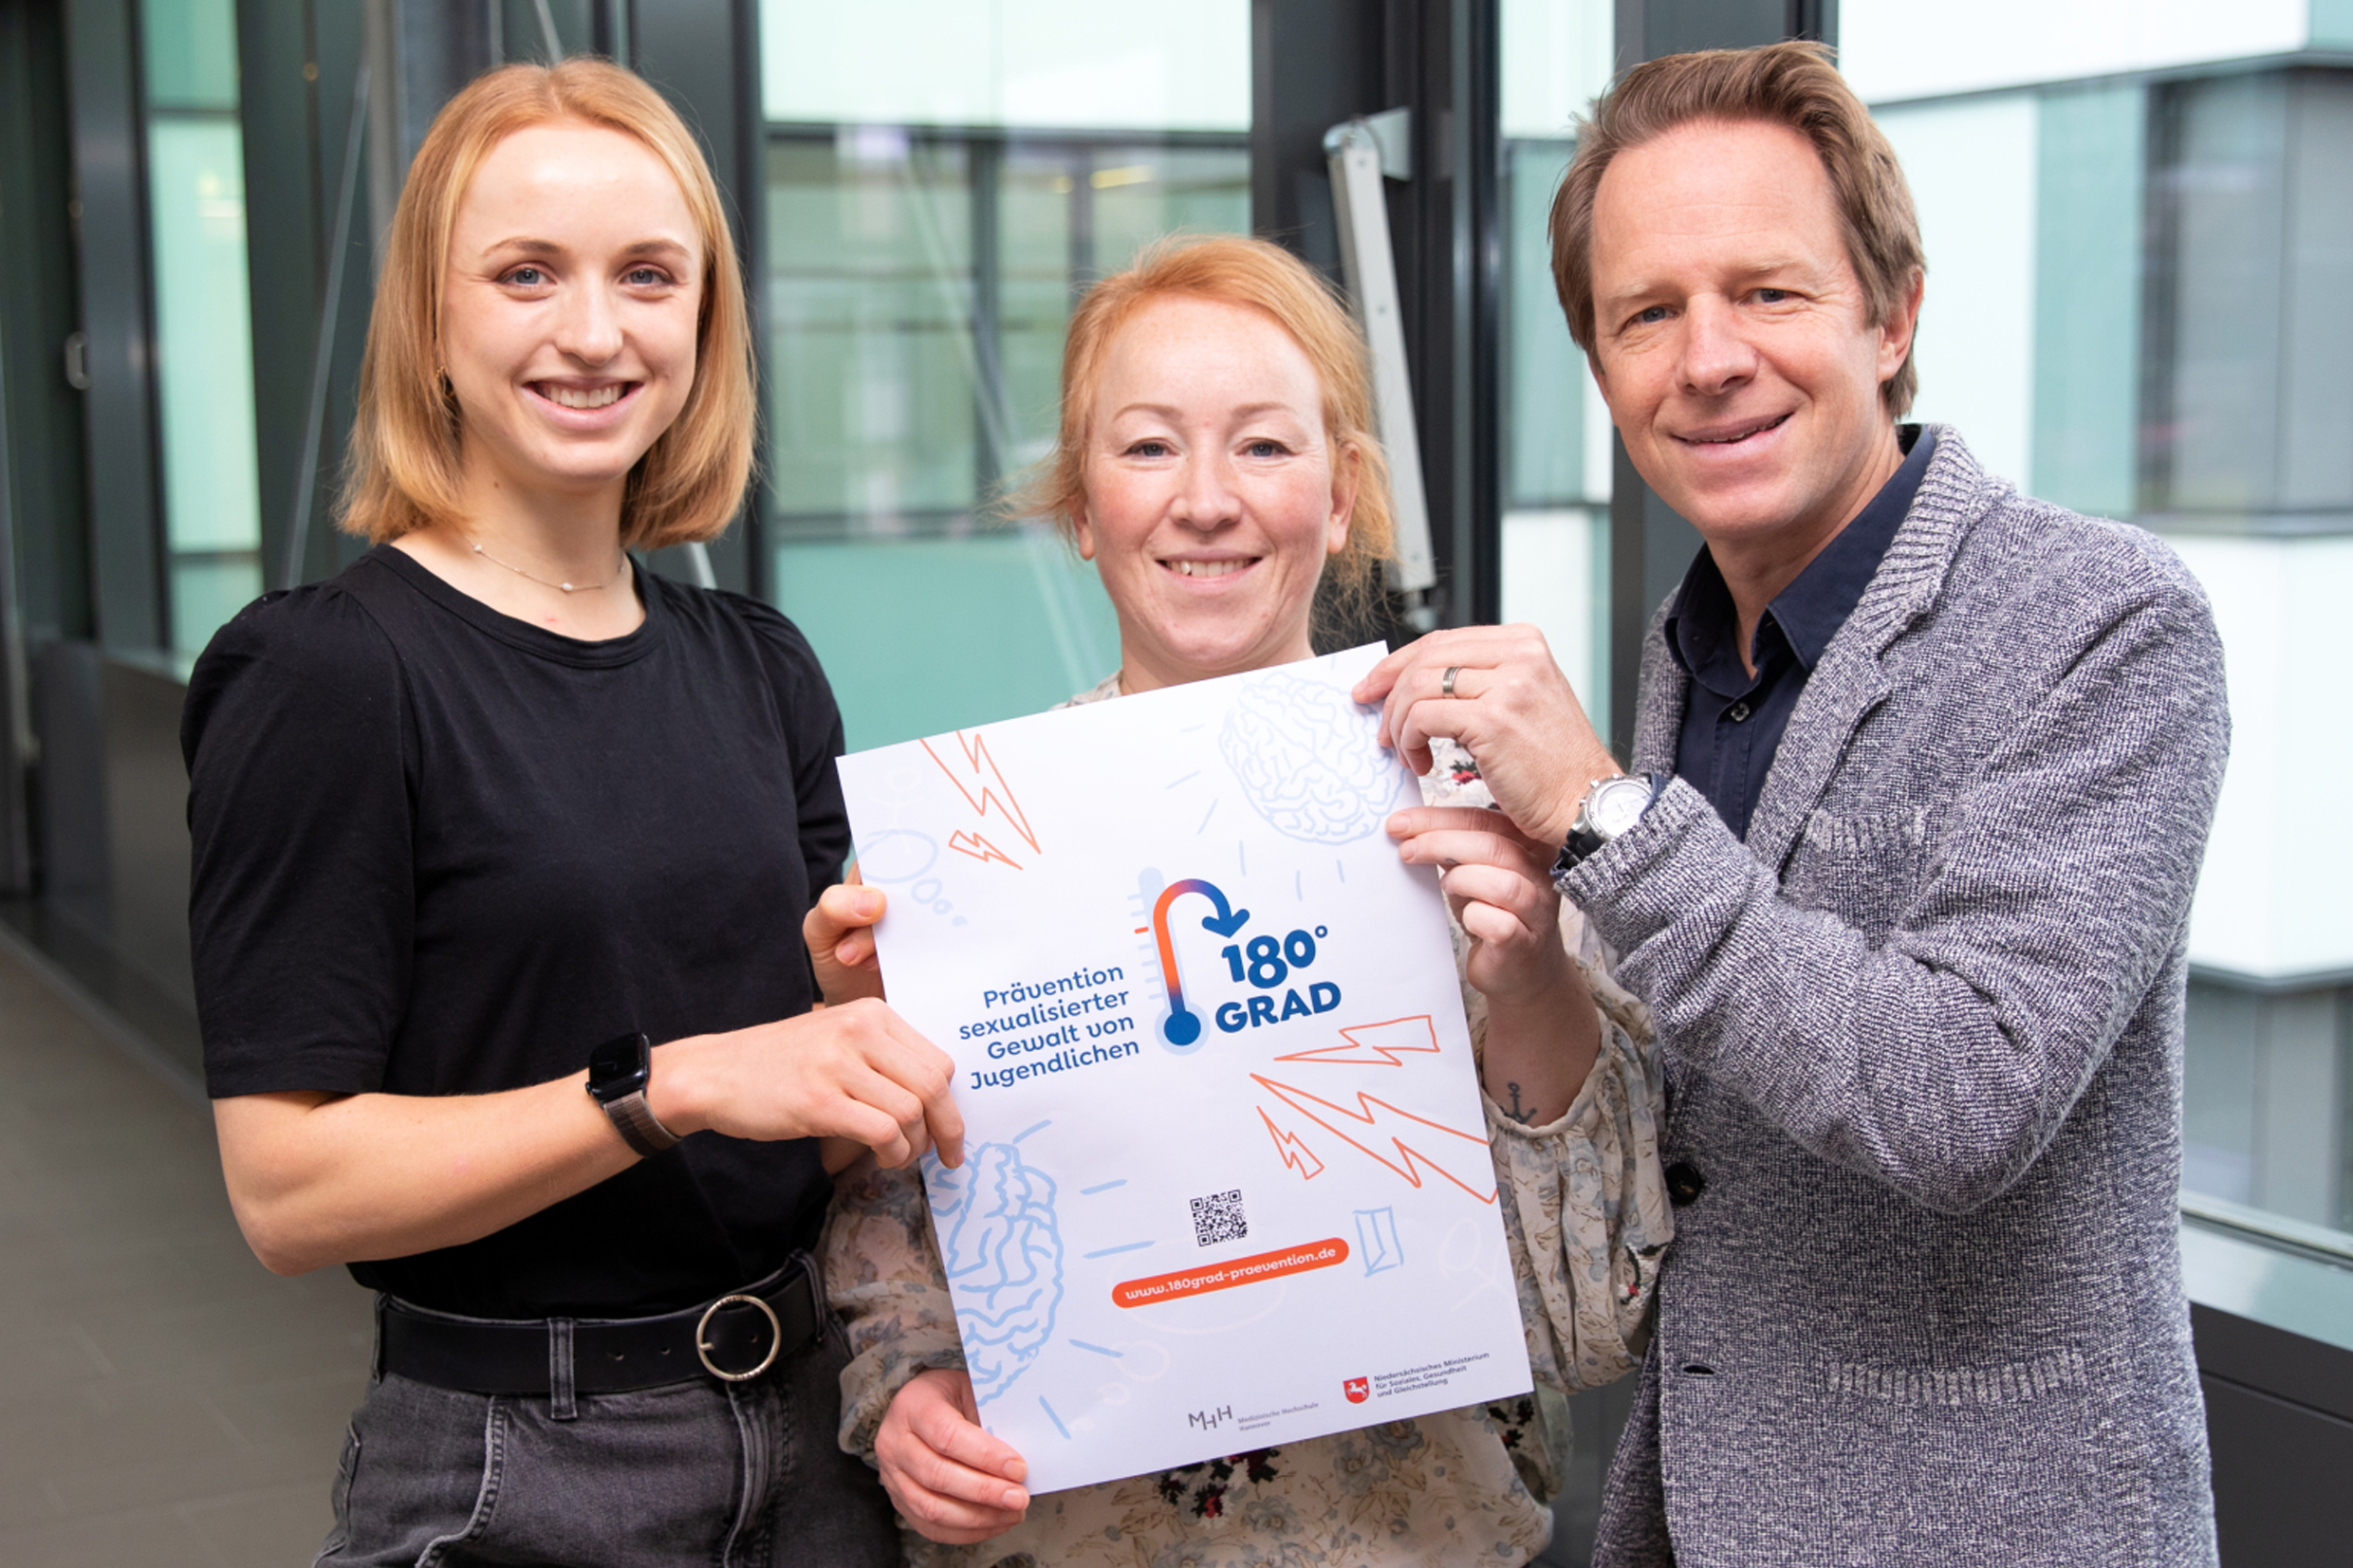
[(955, 1484), (1498, 883), (854, 1071), (1542, 1032), (838, 929), (319, 1179)]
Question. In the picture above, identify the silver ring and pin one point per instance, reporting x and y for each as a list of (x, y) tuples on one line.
[(1446, 687), (775, 1340)]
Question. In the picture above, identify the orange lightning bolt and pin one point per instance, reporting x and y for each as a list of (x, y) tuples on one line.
[(1410, 1162), (983, 766), (1377, 1045), (1303, 1161), (979, 848)]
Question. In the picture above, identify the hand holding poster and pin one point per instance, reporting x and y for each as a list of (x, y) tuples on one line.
[(1227, 1181)]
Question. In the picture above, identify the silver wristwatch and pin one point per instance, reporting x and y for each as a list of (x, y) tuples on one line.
[(1611, 806)]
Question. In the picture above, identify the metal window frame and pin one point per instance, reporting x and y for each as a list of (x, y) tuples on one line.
[(1363, 153), (1318, 63), (45, 556), (298, 65), (704, 56), (114, 257)]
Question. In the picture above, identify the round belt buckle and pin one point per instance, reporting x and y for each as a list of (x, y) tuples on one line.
[(703, 1347)]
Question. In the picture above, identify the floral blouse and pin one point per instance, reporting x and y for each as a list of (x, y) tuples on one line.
[(1587, 1216)]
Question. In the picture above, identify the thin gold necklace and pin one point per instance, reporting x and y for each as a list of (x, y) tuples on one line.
[(621, 568)]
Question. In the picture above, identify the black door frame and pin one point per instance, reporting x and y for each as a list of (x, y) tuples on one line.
[(1317, 62)]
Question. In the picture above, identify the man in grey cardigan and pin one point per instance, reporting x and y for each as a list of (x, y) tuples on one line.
[(1930, 767)]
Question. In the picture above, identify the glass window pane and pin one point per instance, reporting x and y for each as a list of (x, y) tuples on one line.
[(2222, 145), (1092, 64), (944, 179), (204, 347), (189, 53), (1556, 434), (869, 302), (2135, 308), (2089, 277), (1972, 167)]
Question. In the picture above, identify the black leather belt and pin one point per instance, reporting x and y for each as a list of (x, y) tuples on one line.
[(733, 1338)]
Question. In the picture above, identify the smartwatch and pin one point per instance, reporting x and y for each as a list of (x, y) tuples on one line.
[(1611, 806), (618, 1070)]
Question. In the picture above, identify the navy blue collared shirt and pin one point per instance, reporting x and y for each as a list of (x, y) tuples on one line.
[(1733, 721)]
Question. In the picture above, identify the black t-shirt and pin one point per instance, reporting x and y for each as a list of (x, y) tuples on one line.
[(441, 851)]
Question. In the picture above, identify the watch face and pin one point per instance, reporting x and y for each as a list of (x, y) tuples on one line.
[(1618, 805), (620, 1066)]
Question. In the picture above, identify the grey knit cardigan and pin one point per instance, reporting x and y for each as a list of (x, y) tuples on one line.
[(1923, 1040)]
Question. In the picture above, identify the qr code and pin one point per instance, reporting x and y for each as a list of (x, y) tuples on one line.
[(1218, 1218)]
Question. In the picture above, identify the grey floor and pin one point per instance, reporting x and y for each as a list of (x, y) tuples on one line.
[(164, 1398)]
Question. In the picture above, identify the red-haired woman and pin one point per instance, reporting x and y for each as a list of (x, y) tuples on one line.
[(1216, 463), (502, 846)]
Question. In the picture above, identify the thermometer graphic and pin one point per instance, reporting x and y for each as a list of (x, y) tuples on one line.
[(1183, 1027)]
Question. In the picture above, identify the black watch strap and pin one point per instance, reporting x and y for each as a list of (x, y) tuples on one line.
[(620, 1071), (638, 1127), (1583, 840)]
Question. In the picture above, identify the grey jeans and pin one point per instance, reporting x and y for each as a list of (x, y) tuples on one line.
[(748, 1475)]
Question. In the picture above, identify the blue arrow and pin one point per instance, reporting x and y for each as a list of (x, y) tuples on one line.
[(1225, 921)]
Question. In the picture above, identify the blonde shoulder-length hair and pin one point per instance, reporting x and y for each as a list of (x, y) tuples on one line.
[(1233, 269), (402, 471)]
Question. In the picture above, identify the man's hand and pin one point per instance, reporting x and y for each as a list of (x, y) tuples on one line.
[(954, 1482), (838, 929), (1511, 709), (855, 1071)]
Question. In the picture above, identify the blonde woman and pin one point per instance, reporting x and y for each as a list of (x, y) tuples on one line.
[(502, 846), (1216, 463)]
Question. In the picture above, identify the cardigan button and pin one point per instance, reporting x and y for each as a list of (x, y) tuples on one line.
[(1684, 1183)]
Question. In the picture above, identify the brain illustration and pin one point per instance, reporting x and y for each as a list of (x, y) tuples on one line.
[(1309, 760), (998, 1236)]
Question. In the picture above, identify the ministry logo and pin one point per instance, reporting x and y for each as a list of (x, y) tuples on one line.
[(1358, 1390)]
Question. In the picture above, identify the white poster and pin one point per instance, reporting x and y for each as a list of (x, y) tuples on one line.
[(1227, 1183)]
